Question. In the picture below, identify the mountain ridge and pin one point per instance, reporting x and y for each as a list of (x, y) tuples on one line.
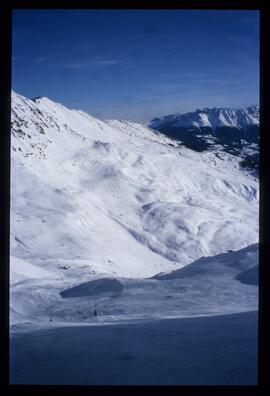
[(212, 118)]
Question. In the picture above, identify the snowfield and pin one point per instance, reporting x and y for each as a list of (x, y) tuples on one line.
[(217, 350), (225, 283), (115, 217)]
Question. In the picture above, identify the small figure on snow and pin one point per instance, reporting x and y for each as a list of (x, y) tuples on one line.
[(95, 312)]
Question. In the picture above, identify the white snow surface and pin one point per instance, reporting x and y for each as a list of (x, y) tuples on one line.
[(95, 199)]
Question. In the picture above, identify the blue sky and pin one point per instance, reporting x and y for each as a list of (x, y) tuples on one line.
[(137, 64)]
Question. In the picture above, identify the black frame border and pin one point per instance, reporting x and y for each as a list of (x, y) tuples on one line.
[(6, 8)]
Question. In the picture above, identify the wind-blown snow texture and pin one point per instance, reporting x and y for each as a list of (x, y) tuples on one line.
[(115, 218), (92, 201)]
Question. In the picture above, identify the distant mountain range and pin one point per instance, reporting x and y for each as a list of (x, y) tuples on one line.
[(235, 131), (211, 118)]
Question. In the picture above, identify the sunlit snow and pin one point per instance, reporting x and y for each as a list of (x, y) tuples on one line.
[(114, 222)]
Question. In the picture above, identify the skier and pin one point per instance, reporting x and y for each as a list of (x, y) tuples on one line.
[(95, 312)]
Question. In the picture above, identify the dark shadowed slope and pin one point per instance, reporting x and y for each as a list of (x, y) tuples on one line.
[(217, 350)]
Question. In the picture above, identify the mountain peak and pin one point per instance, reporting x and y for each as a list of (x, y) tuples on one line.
[(42, 99)]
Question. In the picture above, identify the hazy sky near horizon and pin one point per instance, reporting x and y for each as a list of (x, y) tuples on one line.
[(137, 64)]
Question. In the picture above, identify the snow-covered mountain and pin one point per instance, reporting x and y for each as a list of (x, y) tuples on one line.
[(94, 199), (212, 118), (235, 131)]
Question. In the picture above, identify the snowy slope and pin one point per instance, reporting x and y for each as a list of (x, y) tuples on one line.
[(225, 283), (93, 199), (216, 350)]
